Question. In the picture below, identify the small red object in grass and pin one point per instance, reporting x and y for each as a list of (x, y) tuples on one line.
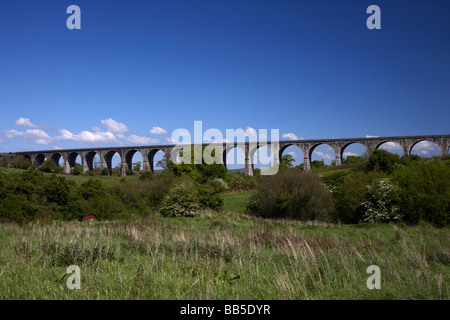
[(89, 218)]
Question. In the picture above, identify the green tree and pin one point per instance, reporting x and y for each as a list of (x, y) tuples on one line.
[(286, 161), (317, 164), (137, 166), (352, 159), (181, 200), (48, 166), (77, 170), (382, 160)]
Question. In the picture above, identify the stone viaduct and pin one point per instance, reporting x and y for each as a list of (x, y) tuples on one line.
[(249, 149)]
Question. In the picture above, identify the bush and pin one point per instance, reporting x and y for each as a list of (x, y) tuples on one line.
[(348, 194), (241, 182), (48, 166), (19, 162), (382, 160), (181, 201), (104, 172), (291, 194), (77, 170), (33, 195), (91, 189), (208, 197), (218, 185), (424, 192), (381, 202), (147, 175)]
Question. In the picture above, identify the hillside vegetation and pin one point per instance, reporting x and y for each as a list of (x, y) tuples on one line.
[(222, 256)]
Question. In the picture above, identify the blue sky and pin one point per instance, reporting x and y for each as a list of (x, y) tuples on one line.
[(137, 70)]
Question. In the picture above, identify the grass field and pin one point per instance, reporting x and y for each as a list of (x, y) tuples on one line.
[(235, 201), (222, 256)]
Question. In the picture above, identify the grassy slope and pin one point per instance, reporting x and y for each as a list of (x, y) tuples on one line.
[(80, 179), (222, 256), (197, 258), (235, 202)]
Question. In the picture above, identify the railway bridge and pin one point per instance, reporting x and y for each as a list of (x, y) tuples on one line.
[(249, 149)]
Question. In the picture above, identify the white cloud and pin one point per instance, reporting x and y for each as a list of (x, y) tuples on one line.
[(369, 136), (427, 146), (250, 132), (40, 135), (114, 133), (171, 141), (346, 154), (390, 146), (87, 136), (25, 122), (323, 155), (292, 153), (291, 136), (114, 126), (158, 130), (140, 140)]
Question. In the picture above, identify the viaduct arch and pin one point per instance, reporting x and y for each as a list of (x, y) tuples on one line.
[(249, 148)]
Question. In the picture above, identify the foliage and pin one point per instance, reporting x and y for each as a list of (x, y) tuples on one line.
[(19, 162), (424, 192), (77, 170), (382, 160), (208, 197), (218, 184), (238, 181), (147, 175), (32, 195), (198, 170), (351, 159), (180, 201), (381, 202), (317, 164), (291, 194), (48, 166), (349, 191), (286, 161)]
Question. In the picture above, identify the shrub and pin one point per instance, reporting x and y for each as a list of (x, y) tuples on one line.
[(19, 162), (180, 201), (104, 172), (77, 170), (349, 193), (208, 197), (129, 172), (147, 175), (424, 192), (381, 202), (48, 166), (33, 195), (92, 188), (218, 184), (382, 160), (241, 182), (291, 194)]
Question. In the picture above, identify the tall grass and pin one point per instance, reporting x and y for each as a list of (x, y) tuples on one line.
[(222, 256)]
